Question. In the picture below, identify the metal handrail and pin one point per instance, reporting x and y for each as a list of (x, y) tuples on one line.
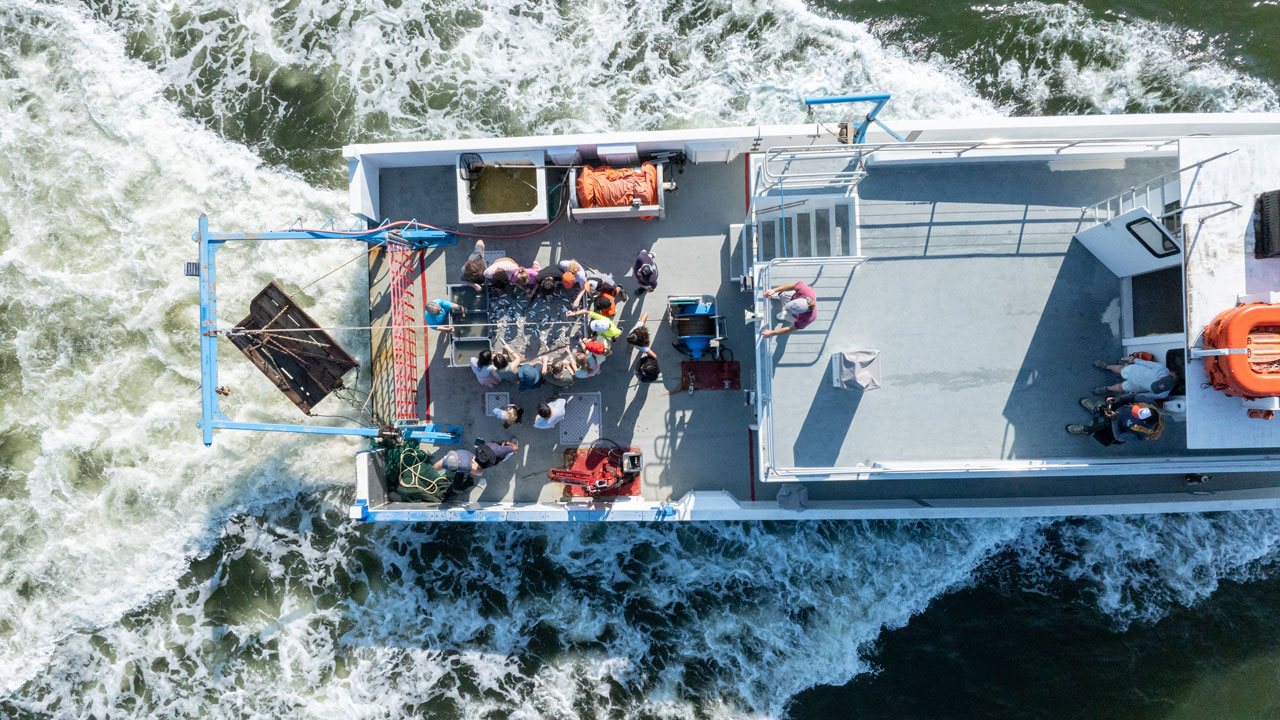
[(1145, 189), (860, 153), (762, 273)]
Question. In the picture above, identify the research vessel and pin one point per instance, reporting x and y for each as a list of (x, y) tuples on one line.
[(977, 269)]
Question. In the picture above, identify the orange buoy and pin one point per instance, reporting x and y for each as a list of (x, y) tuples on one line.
[(1255, 329)]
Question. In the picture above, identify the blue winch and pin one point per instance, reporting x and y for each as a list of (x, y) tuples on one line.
[(695, 323)]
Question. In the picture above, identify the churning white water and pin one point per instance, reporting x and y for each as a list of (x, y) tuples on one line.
[(145, 575)]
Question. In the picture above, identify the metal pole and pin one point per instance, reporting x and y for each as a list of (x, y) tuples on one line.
[(208, 331)]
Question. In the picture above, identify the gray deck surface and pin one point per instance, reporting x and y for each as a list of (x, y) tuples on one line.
[(986, 314), (689, 442)]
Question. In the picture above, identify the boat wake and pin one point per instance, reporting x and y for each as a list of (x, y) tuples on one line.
[(146, 575), (1061, 58)]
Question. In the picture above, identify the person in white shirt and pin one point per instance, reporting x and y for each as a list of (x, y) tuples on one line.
[(639, 335), (1146, 380), (550, 413), (486, 374)]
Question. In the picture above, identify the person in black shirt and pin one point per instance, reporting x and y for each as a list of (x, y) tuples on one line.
[(1116, 422), (645, 271)]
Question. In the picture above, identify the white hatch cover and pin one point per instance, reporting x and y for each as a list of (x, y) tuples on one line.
[(1132, 243)]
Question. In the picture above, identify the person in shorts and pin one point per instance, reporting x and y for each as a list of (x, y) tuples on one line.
[(1116, 423), (799, 307), (1141, 379)]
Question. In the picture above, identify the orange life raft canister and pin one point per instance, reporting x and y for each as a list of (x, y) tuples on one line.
[(1254, 328)]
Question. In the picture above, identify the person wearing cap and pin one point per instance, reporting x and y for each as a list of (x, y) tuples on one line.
[(465, 468), (799, 307), (460, 461), (550, 413), (1117, 423), (599, 324), (645, 271), (530, 374), (602, 297), (491, 453), (572, 273), (437, 313), (1141, 380), (599, 282)]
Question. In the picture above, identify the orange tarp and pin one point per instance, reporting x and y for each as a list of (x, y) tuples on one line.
[(616, 187)]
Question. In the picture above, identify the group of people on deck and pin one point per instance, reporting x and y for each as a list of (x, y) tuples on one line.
[(599, 297), (1128, 410)]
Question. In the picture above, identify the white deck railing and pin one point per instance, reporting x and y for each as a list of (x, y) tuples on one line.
[(776, 171), (1162, 189), (787, 169)]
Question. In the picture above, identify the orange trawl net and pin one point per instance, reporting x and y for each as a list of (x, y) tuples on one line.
[(616, 187)]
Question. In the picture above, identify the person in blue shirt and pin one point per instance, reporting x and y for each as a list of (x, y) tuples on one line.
[(438, 314)]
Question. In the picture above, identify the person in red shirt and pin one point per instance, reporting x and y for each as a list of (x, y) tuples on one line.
[(799, 306)]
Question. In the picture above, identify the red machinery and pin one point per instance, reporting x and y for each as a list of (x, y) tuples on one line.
[(599, 472)]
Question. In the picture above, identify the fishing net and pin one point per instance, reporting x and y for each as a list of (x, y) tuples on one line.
[(410, 473)]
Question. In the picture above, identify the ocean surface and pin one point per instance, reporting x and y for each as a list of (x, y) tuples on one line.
[(143, 575)]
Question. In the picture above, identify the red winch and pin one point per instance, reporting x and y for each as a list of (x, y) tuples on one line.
[(599, 471)]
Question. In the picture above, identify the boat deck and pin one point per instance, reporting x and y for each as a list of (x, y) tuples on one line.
[(986, 315), (697, 441)]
